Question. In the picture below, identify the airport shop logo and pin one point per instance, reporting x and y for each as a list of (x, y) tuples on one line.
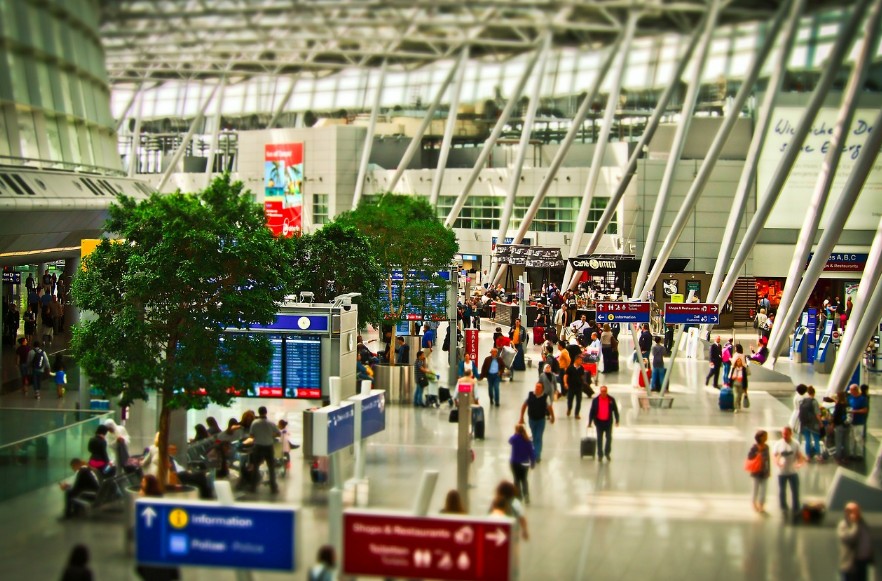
[(593, 264)]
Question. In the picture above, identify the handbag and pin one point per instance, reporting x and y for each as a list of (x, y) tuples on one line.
[(754, 465), (745, 402), (453, 418)]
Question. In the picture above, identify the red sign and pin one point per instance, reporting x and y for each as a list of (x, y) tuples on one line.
[(692, 308), (471, 343), (283, 188), (437, 547), (282, 221), (622, 307)]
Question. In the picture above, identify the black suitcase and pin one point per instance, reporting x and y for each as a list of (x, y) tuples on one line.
[(588, 447), (443, 394), (478, 421)]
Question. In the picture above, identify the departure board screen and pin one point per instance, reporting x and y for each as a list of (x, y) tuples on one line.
[(295, 370)]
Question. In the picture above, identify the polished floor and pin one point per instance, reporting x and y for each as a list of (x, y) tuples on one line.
[(674, 503)]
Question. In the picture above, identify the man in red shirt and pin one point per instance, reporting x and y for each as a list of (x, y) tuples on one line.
[(603, 411)]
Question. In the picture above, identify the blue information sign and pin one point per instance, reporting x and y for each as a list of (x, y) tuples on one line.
[(692, 313), (341, 428), (296, 322), (373, 414), (205, 534), (812, 333)]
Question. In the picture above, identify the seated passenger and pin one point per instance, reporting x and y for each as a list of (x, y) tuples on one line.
[(85, 481)]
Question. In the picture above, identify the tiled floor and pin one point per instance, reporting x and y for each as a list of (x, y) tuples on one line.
[(673, 504)]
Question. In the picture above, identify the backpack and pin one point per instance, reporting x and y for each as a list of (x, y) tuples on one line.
[(807, 413), (727, 353), (38, 360)]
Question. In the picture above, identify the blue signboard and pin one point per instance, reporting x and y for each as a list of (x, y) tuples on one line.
[(812, 333), (373, 414), (691, 314), (341, 428), (296, 322), (205, 534), (620, 312), (10, 277)]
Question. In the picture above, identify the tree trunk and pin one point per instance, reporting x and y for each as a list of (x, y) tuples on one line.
[(164, 418)]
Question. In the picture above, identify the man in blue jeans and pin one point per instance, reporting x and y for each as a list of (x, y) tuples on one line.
[(491, 370), (658, 364), (788, 459), (537, 406)]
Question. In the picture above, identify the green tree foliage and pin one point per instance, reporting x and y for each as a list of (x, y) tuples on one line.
[(187, 267), (335, 260), (407, 236)]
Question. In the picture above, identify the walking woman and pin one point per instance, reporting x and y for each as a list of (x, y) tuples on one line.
[(523, 457), (758, 465), (736, 378)]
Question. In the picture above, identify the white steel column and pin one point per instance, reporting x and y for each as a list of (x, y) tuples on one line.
[(612, 103), (563, 149), (491, 141), (135, 148), (417, 140), (514, 178), (125, 114), (713, 154), (767, 201), (651, 126), (209, 165), (369, 138), (449, 129), (832, 231), (284, 102), (189, 135), (664, 194), (859, 331), (781, 332), (865, 289), (748, 174)]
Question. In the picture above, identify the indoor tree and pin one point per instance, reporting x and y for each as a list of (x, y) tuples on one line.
[(184, 268), (410, 245)]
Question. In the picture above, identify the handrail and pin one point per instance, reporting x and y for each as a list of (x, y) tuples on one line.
[(55, 165), (67, 427)]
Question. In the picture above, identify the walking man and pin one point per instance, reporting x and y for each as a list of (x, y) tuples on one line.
[(788, 459), (491, 370), (658, 365), (574, 378), (644, 341), (603, 412), (264, 433), (716, 361), (855, 544), (537, 406)]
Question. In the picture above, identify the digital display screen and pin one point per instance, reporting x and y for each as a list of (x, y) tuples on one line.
[(295, 370)]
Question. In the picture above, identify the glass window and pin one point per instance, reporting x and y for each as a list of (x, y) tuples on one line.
[(4, 137), (320, 214), (27, 135), (53, 139)]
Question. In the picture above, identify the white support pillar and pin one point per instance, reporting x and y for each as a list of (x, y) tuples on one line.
[(417, 140), (449, 130), (710, 161), (648, 133), (369, 138), (125, 114), (839, 214), (788, 310), (284, 102), (612, 103), (487, 150), (209, 165), (767, 201), (748, 174), (664, 194), (187, 137), (621, 46), (514, 178), (135, 147), (866, 287)]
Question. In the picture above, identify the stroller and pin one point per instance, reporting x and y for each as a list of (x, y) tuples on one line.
[(432, 393)]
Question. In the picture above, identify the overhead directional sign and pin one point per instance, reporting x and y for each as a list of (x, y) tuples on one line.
[(439, 547), (692, 313), (206, 534), (636, 312)]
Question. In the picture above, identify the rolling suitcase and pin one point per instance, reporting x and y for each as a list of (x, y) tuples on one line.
[(508, 355), (478, 421), (727, 400), (538, 335), (588, 447)]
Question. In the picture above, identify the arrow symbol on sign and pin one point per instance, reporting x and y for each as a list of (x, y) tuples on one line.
[(498, 536), (149, 514)]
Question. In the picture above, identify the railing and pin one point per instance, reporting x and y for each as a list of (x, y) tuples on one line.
[(52, 164), (44, 458)]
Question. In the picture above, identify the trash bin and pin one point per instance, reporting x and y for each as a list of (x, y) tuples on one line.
[(396, 381), (308, 422)]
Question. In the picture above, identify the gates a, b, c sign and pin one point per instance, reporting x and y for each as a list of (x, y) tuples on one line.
[(206, 534), (621, 312)]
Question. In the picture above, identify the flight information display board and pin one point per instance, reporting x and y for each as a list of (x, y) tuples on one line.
[(295, 370)]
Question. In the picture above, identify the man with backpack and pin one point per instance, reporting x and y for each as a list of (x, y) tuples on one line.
[(38, 363), (810, 423)]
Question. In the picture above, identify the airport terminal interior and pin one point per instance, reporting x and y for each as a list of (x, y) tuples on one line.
[(667, 152)]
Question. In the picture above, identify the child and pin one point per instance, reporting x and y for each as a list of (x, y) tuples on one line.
[(60, 376), (286, 445)]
